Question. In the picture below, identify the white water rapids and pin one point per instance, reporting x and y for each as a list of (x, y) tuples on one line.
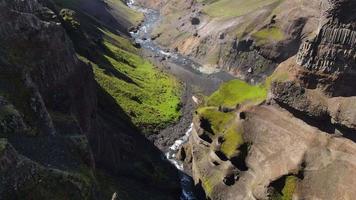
[(172, 153), (185, 180)]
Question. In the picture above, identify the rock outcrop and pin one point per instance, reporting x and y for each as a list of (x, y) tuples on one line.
[(65, 137), (278, 145), (330, 56)]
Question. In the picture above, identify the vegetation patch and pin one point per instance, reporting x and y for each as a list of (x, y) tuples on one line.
[(68, 17), (232, 140), (150, 97), (285, 192), (289, 187), (267, 35), (217, 119), (277, 76), (234, 8), (133, 16), (236, 92), (209, 182)]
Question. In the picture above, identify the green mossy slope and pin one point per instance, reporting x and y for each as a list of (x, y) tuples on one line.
[(148, 96), (236, 92)]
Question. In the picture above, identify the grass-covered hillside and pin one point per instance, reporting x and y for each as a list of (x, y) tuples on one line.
[(234, 8), (149, 97), (236, 92)]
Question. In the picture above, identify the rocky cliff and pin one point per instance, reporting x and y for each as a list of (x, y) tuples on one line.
[(247, 39), (62, 135), (330, 55), (300, 142)]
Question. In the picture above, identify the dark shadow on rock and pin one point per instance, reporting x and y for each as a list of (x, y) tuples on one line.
[(323, 123), (240, 161), (206, 125), (221, 155), (120, 148), (199, 191), (88, 42), (187, 184), (112, 19)]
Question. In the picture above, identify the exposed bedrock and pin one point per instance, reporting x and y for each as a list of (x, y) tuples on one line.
[(279, 147), (332, 115), (330, 57)]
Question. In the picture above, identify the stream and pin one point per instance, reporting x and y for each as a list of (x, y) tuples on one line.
[(190, 73)]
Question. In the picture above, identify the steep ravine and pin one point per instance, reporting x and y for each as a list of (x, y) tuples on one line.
[(171, 139), (183, 68)]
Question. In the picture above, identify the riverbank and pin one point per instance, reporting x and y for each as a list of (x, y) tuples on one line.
[(194, 82)]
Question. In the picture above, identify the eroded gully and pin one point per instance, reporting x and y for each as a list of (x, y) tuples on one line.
[(189, 72)]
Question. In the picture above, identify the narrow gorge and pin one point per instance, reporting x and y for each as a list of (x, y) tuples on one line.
[(177, 99)]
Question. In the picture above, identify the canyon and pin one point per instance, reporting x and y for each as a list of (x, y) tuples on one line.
[(177, 99)]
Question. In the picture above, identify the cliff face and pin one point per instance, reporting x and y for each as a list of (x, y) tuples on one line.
[(42, 63), (330, 55), (61, 134), (41, 82), (300, 143)]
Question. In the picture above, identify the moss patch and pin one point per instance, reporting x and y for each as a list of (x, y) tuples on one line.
[(235, 8), (150, 97), (268, 35), (276, 76), (232, 140), (236, 92), (290, 184), (289, 187), (217, 119), (126, 12), (68, 17), (209, 182)]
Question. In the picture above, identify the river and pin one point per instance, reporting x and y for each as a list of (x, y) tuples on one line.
[(190, 73)]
